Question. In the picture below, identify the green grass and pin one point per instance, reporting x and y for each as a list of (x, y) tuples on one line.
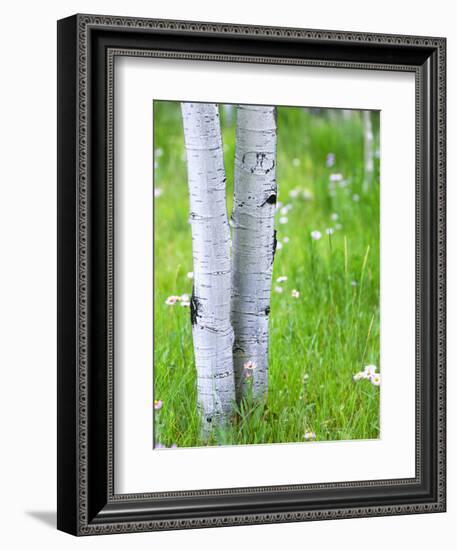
[(318, 341)]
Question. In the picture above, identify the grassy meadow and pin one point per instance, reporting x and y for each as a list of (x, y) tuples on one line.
[(324, 320)]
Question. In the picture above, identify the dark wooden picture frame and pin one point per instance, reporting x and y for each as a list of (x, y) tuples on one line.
[(87, 46)]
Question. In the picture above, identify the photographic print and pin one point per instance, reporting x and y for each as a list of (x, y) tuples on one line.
[(231, 250), (266, 274)]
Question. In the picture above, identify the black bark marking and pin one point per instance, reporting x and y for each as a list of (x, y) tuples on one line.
[(258, 163), (271, 200), (267, 311), (194, 307), (268, 170), (275, 244), (260, 157)]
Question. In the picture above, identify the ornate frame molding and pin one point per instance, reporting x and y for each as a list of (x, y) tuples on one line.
[(79, 512)]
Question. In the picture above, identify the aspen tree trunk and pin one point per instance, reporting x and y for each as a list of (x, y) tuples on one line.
[(368, 145), (254, 243), (210, 303)]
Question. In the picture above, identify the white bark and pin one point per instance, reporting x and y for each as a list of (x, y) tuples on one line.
[(254, 243), (210, 304), (368, 145)]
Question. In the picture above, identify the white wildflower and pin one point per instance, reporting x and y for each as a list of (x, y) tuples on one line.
[(375, 379), (359, 376), (295, 293), (309, 436), (283, 220), (171, 300), (316, 235), (330, 160), (278, 289), (157, 191), (281, 279), (190, 275), (330, 231), (370, 370)]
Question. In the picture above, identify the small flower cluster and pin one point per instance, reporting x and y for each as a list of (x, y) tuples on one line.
[(183, 300), (280, 244), (283, 211), (316, 234), (368, 373), (279, 289), (158, 404), (336, 179), (298, 192), (309, 436), (330, 160)]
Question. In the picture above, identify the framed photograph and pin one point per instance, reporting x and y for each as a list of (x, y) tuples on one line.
[(251, 274)]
